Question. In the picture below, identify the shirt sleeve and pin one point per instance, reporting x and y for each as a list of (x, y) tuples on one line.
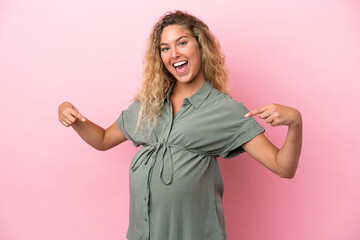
[(246, 129), (127, 122)]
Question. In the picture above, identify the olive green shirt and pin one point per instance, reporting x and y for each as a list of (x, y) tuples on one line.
[(175, 183)]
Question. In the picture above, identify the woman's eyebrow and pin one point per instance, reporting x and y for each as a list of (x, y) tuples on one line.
[(178, 39)]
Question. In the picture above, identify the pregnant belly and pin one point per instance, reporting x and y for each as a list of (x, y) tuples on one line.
[(193, 179)]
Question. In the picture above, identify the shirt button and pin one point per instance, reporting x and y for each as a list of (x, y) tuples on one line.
[(145, 219), (145, 198)]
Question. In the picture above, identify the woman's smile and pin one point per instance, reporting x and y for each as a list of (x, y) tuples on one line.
[(181, 67)]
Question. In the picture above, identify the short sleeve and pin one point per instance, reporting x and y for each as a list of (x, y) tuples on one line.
[(127, 122), (247, 129)]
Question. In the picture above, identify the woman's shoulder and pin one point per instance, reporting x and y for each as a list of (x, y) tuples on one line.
[(225, 103), (134, 104), (220, 98), (132, 109)]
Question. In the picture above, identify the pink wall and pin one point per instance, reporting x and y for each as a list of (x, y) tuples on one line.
[(304, 54)]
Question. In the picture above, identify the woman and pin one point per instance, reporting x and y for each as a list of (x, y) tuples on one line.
[(184, 119)]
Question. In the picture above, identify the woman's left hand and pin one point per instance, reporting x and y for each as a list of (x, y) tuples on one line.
[(276, 115)]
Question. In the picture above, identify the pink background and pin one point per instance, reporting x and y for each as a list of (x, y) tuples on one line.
[(303, 54)]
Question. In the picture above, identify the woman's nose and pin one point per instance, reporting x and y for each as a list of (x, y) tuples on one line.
[(175, 53)]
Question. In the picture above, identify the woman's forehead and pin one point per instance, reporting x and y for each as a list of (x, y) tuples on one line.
[(172, 32)]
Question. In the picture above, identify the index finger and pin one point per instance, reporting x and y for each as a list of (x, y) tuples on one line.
[(256, 111), (77, 115)]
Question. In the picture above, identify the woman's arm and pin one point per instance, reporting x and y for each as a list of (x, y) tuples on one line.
[(282, 161), (91, 133)]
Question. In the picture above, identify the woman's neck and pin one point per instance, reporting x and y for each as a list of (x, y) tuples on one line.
[(185, 90)]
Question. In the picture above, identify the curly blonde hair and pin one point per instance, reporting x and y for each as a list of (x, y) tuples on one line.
[(157, 79)]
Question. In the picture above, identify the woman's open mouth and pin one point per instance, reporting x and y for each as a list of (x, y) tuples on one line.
[(180, 67)]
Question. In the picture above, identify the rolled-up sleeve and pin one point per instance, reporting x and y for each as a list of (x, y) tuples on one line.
[(127, 122), (246, 129)]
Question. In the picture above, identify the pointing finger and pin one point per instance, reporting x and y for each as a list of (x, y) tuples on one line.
[(261, 110), (266, 114), (81, 117), (256, 111), (76, 114)]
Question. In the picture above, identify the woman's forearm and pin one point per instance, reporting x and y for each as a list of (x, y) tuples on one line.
[(90, 133), (288, 157)]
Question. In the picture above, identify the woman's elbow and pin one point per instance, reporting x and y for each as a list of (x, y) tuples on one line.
[(101, 147), (288, 175), (106, 146)]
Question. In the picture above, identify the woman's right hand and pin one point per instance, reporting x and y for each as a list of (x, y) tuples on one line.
[(68, 114)]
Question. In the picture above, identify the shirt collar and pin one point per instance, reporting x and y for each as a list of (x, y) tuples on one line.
[(198, 97)]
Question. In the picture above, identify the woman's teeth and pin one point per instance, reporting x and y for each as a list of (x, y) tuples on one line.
[(179, 63)]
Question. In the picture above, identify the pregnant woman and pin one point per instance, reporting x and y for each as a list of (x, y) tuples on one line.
[(184, 119)]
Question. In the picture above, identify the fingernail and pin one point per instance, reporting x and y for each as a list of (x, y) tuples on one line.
[(83, 119), (246, 115)]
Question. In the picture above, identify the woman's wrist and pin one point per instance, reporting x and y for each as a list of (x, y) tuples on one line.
[(297, 121)]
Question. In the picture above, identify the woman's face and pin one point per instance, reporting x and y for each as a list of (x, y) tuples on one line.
[(180, 54)]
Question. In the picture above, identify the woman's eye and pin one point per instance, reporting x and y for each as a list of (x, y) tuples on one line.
[(164, 49), (182, 43)]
